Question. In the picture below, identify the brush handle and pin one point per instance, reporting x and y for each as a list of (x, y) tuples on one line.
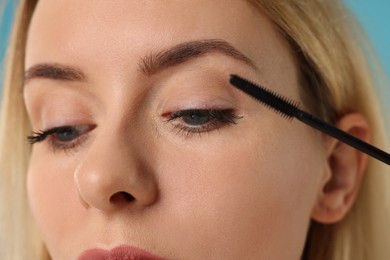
[(342, 136)]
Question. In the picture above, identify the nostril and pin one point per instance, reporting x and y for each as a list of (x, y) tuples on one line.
[(121, 197), (127, 196)]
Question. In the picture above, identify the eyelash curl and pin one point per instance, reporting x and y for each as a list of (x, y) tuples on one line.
[(198, 121), (72, 137)]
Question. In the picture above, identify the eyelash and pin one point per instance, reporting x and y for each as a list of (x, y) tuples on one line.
[(55, 143), (218, 119)]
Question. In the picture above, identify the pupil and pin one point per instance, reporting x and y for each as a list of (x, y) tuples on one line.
[(66, 134), (197, 118)]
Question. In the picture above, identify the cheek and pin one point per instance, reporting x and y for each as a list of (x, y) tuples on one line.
[(252, 195), (52, 199)]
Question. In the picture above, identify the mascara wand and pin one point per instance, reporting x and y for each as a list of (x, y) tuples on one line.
[(290, 110)]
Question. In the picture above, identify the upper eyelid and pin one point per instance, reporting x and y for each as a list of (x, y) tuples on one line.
[(41, 135), (231, 115)]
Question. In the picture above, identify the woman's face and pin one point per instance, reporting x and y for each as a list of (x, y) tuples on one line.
[(151, 146)]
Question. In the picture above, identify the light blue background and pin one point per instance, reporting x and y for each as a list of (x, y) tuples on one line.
[(5, 23), (373, 14), (375, 18)]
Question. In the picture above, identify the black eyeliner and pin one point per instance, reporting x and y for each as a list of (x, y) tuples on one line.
[(290, 110)]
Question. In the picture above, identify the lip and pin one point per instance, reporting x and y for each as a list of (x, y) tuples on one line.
[(118, 253)]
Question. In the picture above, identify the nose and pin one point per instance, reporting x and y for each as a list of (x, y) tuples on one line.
[(114, 175)]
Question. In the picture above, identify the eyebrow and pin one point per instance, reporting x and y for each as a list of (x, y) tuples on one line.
[(150, 64), (155, 62), (54, 71)]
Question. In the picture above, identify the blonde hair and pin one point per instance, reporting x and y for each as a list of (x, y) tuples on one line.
[(334, 70)]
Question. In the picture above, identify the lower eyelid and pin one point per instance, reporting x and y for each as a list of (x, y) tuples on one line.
[(66, 146), (214, 124), (56, 145)]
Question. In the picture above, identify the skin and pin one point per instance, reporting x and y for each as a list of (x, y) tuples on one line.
[(240, 191)]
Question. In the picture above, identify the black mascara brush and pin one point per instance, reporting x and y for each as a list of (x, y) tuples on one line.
[(290, 110)]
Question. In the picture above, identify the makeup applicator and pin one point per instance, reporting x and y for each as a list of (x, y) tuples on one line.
[(290, 110)]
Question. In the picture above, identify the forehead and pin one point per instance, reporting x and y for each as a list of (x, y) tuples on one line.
[(140, 25), (156, 14), (91, 33)]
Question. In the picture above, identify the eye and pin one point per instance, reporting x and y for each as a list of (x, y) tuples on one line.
[(63, 137), (67, 134), (202, 120), (196, 117)]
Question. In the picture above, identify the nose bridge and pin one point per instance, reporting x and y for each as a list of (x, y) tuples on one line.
[(114, 173)]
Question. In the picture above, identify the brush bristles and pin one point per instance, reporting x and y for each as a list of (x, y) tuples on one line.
[(281, 105)]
